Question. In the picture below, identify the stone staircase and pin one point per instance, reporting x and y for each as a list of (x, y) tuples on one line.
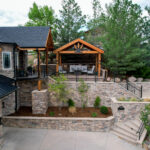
[(128, 131)]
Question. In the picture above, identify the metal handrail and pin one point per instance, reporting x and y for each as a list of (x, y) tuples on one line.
[(140, 130)]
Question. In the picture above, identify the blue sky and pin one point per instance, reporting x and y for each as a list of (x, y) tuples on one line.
[(14, 12)]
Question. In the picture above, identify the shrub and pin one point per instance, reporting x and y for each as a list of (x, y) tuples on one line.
[(72, 110), (51, 113), (145, 117), (70, 103), (97, 102), (94, 114), (104, 110)]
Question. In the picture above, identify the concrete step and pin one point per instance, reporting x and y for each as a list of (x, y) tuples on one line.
[(130, 140), (126, 129), (132, 126), (126, 134)]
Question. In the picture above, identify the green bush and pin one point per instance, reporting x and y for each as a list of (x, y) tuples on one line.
[(94, 114), (97, 102), (104, 110), (52, 114), (145, 118), (70, 103)]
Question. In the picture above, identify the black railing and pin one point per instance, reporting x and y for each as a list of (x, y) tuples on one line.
[(77, 76), (132, 87), (140, 130)]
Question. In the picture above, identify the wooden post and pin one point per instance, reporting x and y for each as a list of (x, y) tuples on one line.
[(96, 63), (57, 61), (39, 62), (39, 85), (46, 61), (99, 64), (60, 60)]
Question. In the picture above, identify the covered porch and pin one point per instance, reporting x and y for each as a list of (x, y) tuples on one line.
[(79, 59)]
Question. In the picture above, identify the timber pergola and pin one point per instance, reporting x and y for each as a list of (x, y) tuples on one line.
[(80, 47)]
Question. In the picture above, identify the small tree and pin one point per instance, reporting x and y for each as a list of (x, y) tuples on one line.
[(83, 89), (145, 117), (59, 87)]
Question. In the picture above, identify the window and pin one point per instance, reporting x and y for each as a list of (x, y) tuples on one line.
[(17, 59), (6, 60)]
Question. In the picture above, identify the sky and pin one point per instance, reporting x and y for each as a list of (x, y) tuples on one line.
[(15, 12)]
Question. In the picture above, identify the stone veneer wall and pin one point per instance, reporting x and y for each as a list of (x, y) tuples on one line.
[(9, 72), (1, 127), (105, 90), (74, 124), (25, 90), (39, 101), (8, 104), (131, 109)]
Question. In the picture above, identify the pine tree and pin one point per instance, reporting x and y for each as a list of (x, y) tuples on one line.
[(123, 37), (71, 22)]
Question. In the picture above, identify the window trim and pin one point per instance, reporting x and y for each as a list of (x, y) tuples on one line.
[(3, 61)]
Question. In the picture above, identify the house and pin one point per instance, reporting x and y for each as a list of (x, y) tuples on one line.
[(15, 43)]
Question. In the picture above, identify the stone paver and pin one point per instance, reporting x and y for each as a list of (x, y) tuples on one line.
[(44, 139)]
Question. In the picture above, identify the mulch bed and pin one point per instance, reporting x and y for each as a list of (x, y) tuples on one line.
[(86, 112)]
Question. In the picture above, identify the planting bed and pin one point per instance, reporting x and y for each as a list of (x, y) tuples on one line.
[(86, 112)]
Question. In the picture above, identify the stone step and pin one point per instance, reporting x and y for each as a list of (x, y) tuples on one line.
[(132, 126), (126, 128), (136, 123), (125, 138), (126, 134)]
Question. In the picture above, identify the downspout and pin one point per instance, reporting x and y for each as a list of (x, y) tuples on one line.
[(14, 63)]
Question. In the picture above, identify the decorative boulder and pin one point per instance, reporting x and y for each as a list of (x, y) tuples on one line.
[(132, 79), (117, 80), (139, 79), (109, 79)]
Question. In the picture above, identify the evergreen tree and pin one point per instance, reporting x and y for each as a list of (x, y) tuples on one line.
[(123, 37), (42, 16), (71, 22)]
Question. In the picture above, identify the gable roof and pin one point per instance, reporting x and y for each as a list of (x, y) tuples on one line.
[(25, 37), (88, 45)]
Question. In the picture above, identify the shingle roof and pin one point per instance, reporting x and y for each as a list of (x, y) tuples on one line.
[(6, 86), (25, 36)]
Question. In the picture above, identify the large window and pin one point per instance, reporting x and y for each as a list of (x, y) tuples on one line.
[(6, 60)]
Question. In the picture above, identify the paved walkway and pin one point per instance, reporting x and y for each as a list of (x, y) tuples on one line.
[(44, 139)]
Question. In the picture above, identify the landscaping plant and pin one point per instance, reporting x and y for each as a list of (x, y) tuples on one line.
[(104, 110), (97, 102), (94, 114), (59, 88), (70, 103), (52, 114), (83, 89), (145, 117)]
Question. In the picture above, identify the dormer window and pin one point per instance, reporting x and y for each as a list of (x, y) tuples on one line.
[(6, 60)]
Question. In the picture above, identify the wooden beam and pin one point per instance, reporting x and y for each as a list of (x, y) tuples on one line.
[(99, 65), (83, 52), (34, 49)]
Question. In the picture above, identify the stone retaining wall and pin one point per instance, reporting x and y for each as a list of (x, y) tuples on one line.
[(131, 109), (73, 124), (105, 90)]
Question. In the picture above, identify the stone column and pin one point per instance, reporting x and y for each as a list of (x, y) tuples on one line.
[(39, 101), (1, 127)]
